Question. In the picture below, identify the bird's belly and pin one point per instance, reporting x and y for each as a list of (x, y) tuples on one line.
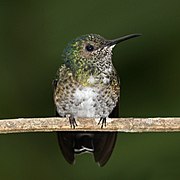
[(84, 104), (88, 102)]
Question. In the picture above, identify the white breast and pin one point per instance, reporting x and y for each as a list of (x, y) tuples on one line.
[(85, 100)]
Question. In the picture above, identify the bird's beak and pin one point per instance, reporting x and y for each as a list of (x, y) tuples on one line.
[(121, 39)]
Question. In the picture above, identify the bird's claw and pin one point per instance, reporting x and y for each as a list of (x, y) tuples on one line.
[(72, 122), (102, 121)]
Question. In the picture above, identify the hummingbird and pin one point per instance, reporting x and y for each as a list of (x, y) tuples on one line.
[(87, 85)]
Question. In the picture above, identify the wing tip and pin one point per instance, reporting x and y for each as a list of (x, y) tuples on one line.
[(66, 147), (103, 154)]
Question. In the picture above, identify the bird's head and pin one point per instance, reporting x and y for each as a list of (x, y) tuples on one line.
[(87, 51)]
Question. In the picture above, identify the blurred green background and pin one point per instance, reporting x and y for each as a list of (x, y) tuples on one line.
[(33, 35)]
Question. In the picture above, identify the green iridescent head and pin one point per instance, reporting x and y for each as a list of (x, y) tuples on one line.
[(86, 51), (83, 50)]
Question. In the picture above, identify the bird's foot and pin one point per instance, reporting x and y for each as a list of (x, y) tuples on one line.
[(102, 121), (72, 122)]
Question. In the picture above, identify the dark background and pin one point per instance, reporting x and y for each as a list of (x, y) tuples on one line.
[(33, 35)]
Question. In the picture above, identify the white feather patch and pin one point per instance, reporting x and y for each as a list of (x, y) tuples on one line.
[(91, 79), (86, 99)]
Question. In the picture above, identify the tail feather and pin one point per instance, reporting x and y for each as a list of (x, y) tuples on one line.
[(66, 143), (103, 147), (100, 144), (83, 143)]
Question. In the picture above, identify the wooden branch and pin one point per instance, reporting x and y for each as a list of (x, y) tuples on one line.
[(168, 124)]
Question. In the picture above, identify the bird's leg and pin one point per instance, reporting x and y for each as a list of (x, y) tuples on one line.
[(102, 121), (72, 121)]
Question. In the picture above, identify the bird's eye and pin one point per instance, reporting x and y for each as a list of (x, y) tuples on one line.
[(89, 47)]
